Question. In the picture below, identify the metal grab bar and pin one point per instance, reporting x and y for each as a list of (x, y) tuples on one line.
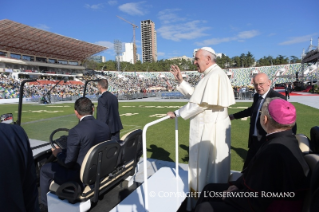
[(145, 154)]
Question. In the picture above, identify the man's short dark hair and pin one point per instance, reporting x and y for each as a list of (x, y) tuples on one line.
[(84, 106), (103, 83)]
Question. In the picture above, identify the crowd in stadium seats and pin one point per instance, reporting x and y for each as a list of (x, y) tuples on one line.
[(139, 82), (9, 87)]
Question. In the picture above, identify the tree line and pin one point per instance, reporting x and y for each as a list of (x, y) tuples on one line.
[(225, 62)]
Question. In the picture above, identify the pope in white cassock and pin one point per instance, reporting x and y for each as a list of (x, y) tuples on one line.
[(209, 134)]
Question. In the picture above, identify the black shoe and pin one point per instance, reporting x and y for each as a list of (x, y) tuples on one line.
[(43, 208)]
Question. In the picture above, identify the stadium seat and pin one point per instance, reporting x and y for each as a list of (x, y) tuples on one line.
[(314, 139), (103, 167)]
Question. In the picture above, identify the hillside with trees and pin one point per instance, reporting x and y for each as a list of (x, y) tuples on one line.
[(225, 62)]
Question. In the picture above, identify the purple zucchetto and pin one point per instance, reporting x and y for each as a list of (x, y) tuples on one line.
[(282, 111)]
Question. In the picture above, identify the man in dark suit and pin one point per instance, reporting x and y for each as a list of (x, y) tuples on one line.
[(256, 132), (278, 169), (18, 179), (108, 109), (81, 138), (287, 90)]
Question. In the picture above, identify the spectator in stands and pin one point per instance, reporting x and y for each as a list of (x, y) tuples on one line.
[(257, 134), (278, 168)]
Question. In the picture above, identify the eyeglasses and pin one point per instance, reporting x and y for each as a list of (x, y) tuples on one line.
[(259, 84)]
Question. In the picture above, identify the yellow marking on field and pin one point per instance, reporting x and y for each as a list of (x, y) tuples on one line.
[(128, 106), (129, 114), (173, 106), (244, 119), (158, 115), (149, 106), (242, 107)]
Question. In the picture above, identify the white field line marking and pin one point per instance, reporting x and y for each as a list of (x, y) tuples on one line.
[(129, 114)]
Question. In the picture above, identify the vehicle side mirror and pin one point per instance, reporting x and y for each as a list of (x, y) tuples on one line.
[(6, 118)]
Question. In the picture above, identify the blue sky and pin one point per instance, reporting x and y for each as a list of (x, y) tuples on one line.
[(232, 27)]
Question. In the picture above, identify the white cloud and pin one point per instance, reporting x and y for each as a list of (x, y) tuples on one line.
[(133, 8), (248, 34), (187, 31), (160, 53), (94, 6), (215, 41), (169, 16), (300, 39), (240, 38), (43, 27), (108, 44), (112, 3)]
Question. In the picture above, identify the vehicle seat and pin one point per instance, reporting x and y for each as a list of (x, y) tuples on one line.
[(314, 139), (99, 172), (312, 196), (304, 143)]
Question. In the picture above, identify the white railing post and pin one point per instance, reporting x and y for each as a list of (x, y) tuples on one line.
[(145, 158), (176, 147)]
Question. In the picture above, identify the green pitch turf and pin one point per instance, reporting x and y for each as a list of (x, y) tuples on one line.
[(40, 120)]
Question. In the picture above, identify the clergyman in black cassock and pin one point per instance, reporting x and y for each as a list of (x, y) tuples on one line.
[(18, 190), (278, 168)]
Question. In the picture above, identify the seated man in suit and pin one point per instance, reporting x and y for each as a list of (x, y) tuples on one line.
[(256, 133), (81, 138), (18, 179), (278, 169)]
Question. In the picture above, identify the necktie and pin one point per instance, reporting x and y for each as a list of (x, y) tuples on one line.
[(255, 112)]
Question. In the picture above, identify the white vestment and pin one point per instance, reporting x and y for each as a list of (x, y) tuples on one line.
[(209, 135)]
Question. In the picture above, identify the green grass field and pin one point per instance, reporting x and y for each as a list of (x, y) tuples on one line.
[(40, 120)]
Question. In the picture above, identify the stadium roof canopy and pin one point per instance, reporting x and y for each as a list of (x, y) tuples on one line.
[(23, 39)]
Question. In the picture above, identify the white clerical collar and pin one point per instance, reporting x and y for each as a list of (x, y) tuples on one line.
[(274, 132), (84, 117), (209, 69)]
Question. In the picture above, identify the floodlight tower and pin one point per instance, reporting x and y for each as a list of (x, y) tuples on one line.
[(118, 51)]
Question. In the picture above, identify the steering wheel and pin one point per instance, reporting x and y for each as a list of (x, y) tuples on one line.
[(60, 142)]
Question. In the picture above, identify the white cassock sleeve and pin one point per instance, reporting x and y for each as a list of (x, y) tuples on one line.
[(185, 88), (189, 110)]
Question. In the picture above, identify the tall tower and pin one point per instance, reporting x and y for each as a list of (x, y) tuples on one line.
[(149, 42), (118, 51)]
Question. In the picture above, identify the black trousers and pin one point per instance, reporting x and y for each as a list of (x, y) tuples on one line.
[(287, 94), (208, 203), (58, 173), (115, 136)]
